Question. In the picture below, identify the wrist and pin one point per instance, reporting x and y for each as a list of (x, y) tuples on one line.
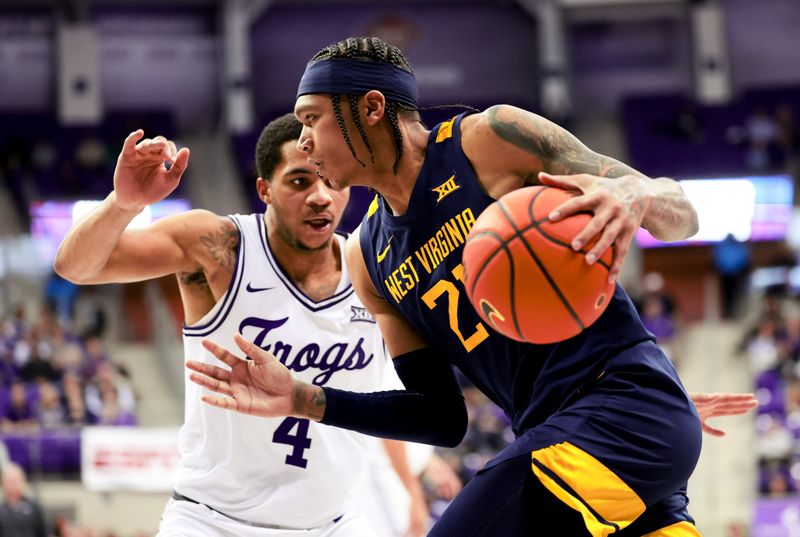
[(131, 210), (308, 401)]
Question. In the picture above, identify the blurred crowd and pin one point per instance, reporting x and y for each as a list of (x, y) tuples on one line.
[(51, 378), (772, 349)]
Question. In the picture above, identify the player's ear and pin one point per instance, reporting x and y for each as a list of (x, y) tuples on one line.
[(375, 104), (264, 190)]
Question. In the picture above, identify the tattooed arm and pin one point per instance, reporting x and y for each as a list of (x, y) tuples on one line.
[(99, 249), (510, 147)]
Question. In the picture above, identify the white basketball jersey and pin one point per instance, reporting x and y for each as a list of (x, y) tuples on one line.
[(285, 472)]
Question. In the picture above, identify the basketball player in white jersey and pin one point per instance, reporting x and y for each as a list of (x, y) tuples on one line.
[(280, 280)]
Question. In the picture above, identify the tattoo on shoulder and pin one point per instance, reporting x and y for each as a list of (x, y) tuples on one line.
[(222, 244), (559, 151)]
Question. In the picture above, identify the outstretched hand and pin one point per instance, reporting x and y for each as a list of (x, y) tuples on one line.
[(260, 385), (147, 171), (712, 405), (618, 207)]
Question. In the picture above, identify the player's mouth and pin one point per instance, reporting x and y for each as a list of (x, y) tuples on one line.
[(319, 224)]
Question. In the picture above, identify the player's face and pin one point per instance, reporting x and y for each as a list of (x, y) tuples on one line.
[(304, 209), (323, 143)]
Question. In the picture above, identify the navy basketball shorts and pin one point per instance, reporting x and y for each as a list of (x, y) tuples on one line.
[(614, 461)]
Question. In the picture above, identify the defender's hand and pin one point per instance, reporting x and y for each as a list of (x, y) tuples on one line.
[(618, 205), (261, 386), (712, 405), (147, 171), (442, 477)]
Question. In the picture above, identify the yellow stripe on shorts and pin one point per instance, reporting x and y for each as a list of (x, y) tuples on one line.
[(681, 529), (606, 503)]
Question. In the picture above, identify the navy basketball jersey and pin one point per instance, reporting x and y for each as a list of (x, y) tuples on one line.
[(414, 261)]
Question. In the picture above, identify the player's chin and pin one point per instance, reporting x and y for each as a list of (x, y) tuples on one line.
[(314, 238)]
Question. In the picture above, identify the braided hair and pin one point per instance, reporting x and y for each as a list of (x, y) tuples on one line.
[(375, 50)]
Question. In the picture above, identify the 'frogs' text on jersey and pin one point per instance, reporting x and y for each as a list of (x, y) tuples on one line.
[(286, 472), (414, 260)]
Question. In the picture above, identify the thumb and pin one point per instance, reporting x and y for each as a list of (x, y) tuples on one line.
[(564, 182), (179, 165), (712, 430)]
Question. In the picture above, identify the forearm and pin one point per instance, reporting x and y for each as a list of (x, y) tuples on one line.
[(89, 244), (308, 401), (398, 415), (670, 215), (431, 410)]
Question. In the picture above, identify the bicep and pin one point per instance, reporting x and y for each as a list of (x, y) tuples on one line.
[(525, 143), (163, 248), (397, 332)]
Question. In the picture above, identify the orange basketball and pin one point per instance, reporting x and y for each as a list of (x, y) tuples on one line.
[(522, 275)]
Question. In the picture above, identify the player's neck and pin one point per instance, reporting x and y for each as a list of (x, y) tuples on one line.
[(316, 272), (396, 188)]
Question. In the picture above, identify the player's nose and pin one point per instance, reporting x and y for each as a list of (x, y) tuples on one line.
[(304, 143), (320, 194)]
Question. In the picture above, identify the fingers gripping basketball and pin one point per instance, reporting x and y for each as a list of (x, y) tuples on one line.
[(523, 277)]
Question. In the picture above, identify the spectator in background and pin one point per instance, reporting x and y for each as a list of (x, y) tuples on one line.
[(8, 370), (73, 395), (656, 308), (91, 153), (762, 136), (109, 398), (732, 261), (49, 408), (38, 369), (44, 156), (94, 357), (19, 515), (19, 415), (14, 326), (60, 295), (763, 347)]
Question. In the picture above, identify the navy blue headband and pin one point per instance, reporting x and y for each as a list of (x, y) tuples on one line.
[(341, 76)]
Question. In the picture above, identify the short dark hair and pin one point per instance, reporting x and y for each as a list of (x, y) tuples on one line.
[(268, 148), (369, 49)]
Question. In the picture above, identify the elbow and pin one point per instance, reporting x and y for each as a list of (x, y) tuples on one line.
[(456, 429), (63, 269), (694, 224)]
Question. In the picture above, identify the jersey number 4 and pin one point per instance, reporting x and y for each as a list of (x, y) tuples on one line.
[(299, 440), (445, 286)]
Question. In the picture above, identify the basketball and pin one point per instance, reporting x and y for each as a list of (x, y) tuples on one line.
[(523, 277)]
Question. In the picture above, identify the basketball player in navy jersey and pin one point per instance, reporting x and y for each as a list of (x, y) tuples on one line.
[(280, 278), (606, 435)]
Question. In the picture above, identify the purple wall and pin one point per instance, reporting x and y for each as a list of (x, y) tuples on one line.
[(26, 61), (613, 59), (764, 42), (478, 54), (163, 60), (149, 61)]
